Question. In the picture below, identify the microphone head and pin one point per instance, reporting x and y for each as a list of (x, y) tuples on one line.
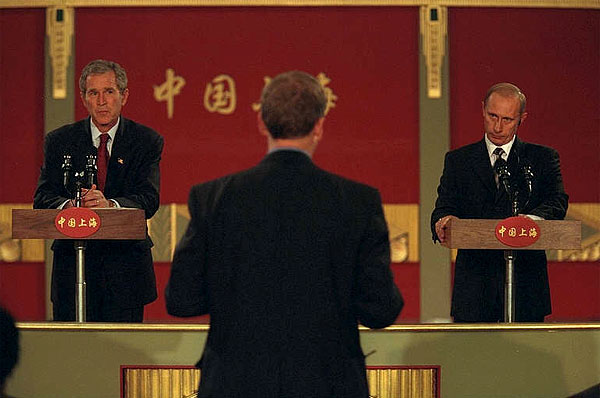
[(91, 169), (527, 171), (501, 168), (67, 163)]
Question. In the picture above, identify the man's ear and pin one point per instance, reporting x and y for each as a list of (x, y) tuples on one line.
[(318, 130), (262, 128), (522, 118), (124, 96)]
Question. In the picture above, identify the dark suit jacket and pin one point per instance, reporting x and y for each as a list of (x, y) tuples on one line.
[(124, 268), (468, 190), (287, 259)]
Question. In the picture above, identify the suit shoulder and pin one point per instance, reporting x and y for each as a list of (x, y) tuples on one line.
[(141, 131), (465, 150), (67, 131), (529, 147), (349, 187)]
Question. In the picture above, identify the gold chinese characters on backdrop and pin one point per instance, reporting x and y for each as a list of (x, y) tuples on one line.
[(220, 93)]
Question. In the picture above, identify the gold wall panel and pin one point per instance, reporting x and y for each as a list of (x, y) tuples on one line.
[(406, 382), (160, 383), (403, 226), (12, 250)]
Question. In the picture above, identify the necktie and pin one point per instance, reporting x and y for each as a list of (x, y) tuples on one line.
[(498, 152), (102, 160)]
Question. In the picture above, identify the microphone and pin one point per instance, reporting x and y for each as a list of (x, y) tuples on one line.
[(528, 176), (501, 169), (67, 167), (91, 169)]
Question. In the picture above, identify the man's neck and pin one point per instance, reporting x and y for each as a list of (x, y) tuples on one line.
[(304, 144)]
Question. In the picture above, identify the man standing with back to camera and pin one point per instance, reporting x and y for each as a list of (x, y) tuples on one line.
[(287, 259), (119, 274), (468, 189)]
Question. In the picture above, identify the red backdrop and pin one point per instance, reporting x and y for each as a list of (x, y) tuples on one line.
[(370, 55), (22, 288)]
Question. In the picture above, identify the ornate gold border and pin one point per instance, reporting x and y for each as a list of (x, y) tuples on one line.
[(441, 327), (591, 4)]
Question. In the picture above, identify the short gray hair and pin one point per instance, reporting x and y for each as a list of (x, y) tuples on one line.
[(507, 90), (100, 66)]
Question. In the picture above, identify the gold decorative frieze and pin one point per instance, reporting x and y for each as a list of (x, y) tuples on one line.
[(434, 28), (174, 382), (591, 4)]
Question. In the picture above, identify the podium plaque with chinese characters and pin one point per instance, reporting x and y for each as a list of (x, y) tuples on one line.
[(123, 223), (481, 234)]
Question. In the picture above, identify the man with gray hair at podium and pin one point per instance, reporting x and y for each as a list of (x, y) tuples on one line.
[(287, 259), (473, 186), (119, 274)]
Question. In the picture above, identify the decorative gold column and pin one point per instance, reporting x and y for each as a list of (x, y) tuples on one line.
[(59, 28), (434, 28)]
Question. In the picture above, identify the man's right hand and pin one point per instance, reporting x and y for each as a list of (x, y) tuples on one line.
[(441, 227)]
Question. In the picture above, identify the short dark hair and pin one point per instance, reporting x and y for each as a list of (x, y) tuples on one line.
[(291, 104), (507, 90), (9, 345), (100, 66)]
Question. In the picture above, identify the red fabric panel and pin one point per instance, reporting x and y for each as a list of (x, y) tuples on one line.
[(407, 278), (21, 102), (157, 311), (575, 289), (553, 56), (22, 290), (370, 54)]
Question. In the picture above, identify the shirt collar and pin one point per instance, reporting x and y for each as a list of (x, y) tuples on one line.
[(491, 146), (96, 133)]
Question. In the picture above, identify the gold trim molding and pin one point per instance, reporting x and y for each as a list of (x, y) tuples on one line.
[(60, 30), (588, 4), (401, 328)]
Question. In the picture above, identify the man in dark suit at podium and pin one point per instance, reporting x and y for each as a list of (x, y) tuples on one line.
[(469, 189), (287, 259), (119, 274)]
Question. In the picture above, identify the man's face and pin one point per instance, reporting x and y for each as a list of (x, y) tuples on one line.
[(501, 118), (103, 100)]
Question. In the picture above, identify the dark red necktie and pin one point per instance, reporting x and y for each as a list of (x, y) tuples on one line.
[(102, 160)]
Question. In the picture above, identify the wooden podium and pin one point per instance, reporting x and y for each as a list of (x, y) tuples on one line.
[(481, 234), (114, 224)]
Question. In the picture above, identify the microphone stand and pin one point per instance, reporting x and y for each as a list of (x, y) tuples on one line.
[(501, 168), (79, 244)]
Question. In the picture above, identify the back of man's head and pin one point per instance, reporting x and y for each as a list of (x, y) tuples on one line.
[(9, 346), (291, 104)]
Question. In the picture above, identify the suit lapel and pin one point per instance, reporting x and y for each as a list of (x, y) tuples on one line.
[(118, 156), (480, 162)]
